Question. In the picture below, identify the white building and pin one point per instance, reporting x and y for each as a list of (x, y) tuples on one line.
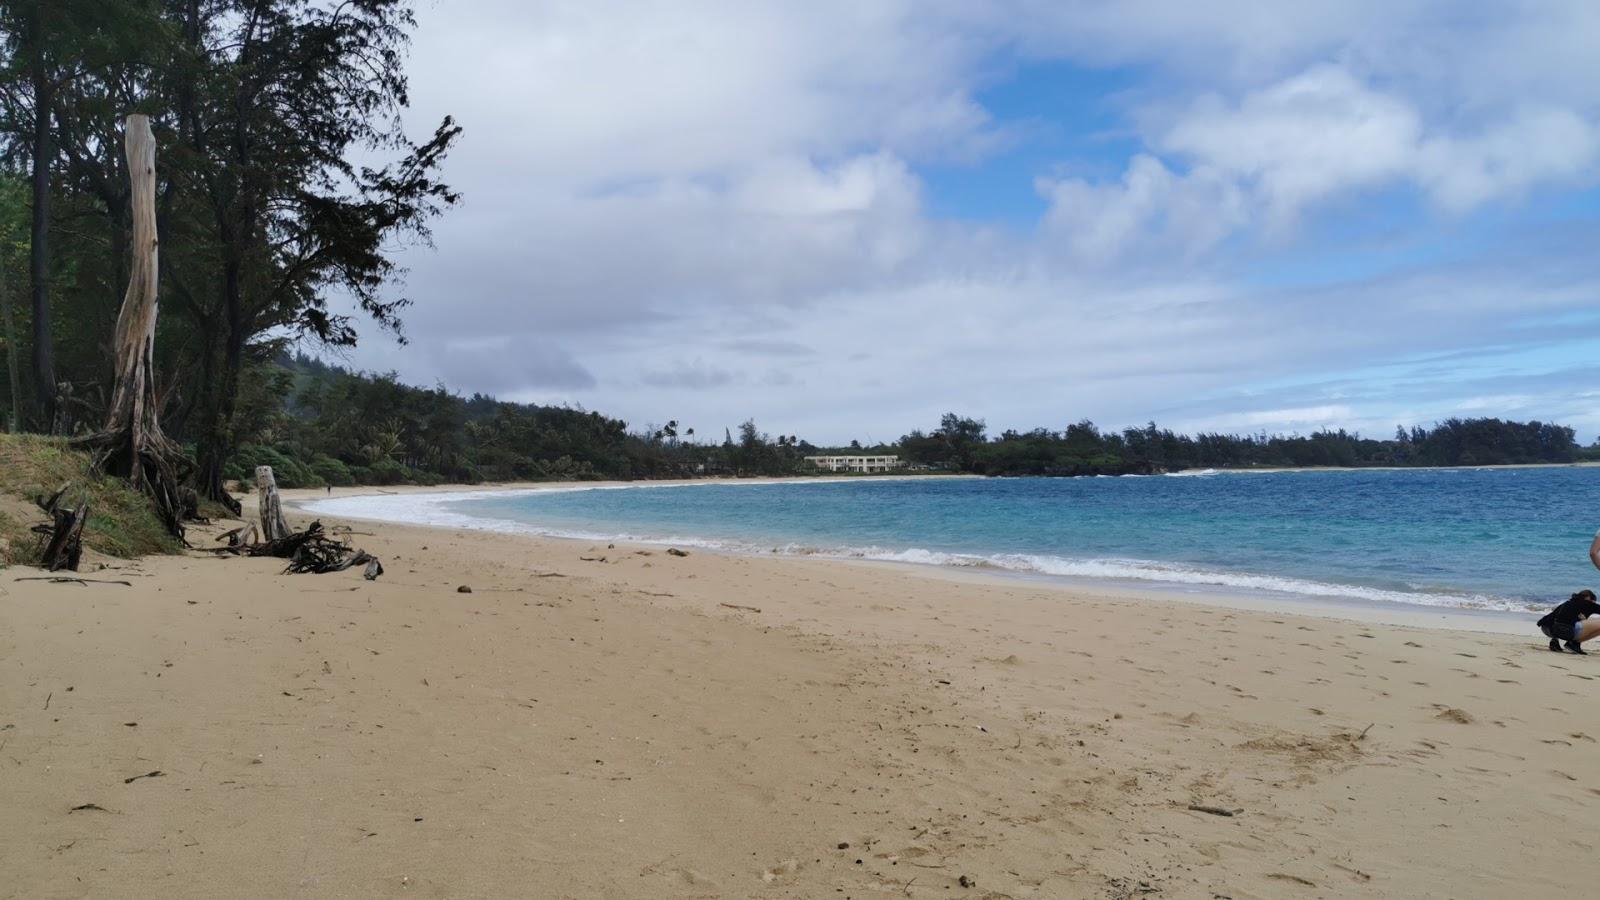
[(863, 464)]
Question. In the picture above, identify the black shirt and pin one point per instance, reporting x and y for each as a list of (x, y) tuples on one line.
[(1568, 613)]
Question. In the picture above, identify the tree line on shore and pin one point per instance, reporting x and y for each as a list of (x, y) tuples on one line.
[(318, 424), (961, 444)]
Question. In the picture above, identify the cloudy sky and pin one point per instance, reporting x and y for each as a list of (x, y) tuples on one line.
[(845, 218)]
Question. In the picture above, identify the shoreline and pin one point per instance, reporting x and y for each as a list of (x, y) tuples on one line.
[(1346, 608)]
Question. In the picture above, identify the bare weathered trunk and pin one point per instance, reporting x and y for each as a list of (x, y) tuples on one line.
[(271, 506), (132, 398), (132, 442), (65, 547)]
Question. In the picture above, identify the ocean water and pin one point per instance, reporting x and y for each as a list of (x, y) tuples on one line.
[(1506, 539)]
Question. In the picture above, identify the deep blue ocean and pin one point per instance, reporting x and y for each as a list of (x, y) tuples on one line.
[(1477, 538)]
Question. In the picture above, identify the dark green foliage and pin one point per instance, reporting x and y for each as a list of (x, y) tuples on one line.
[(331, 471), (317, 425), (1084, 450)]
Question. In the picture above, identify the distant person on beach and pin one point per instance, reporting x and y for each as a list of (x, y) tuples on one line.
[(1570, 622), (1594, 550)]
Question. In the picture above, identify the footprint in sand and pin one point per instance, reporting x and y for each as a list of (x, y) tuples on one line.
[(787, 867)]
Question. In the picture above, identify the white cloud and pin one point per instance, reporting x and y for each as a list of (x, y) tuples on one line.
[(1150, 208), (1293, 420), (1452, 58), (695, 375), (1535, 144), (1300, 141), (668, 205), (585, 93), (1312, 139)]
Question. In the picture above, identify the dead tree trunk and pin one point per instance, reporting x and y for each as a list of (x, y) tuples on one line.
[(66, 538), (272, 525), (65, 532), (132, 443)]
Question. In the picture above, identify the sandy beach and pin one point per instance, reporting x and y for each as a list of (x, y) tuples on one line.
[(612, 721)]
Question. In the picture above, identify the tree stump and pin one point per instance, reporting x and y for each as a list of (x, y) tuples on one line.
[(65, 530), (66, 539), (272, 525)]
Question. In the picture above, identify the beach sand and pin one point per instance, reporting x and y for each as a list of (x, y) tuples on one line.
[(617, 722)]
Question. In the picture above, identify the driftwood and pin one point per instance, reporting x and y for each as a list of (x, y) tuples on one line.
[(287, 546), (64, 548), (271, 506), (310, 551), (131, 443), (63, 579), (243, 535)]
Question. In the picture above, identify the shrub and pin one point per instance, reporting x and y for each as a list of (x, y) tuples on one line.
[(286, 470), (387, 471), (332, 471)]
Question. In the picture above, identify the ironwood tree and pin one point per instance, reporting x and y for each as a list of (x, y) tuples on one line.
[(272, 99)]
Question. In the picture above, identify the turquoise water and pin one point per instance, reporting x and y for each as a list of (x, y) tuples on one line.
[(1493, 539)]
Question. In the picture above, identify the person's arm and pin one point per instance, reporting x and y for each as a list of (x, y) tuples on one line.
[(1594, 550)]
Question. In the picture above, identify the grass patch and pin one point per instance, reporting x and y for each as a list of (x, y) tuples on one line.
[(121, 523)]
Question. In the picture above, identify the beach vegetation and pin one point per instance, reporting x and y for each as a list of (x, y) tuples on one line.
[(1083, 449), (122, 522)]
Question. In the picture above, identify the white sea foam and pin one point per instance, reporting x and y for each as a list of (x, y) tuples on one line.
[(434, 510), (1147, 570)]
